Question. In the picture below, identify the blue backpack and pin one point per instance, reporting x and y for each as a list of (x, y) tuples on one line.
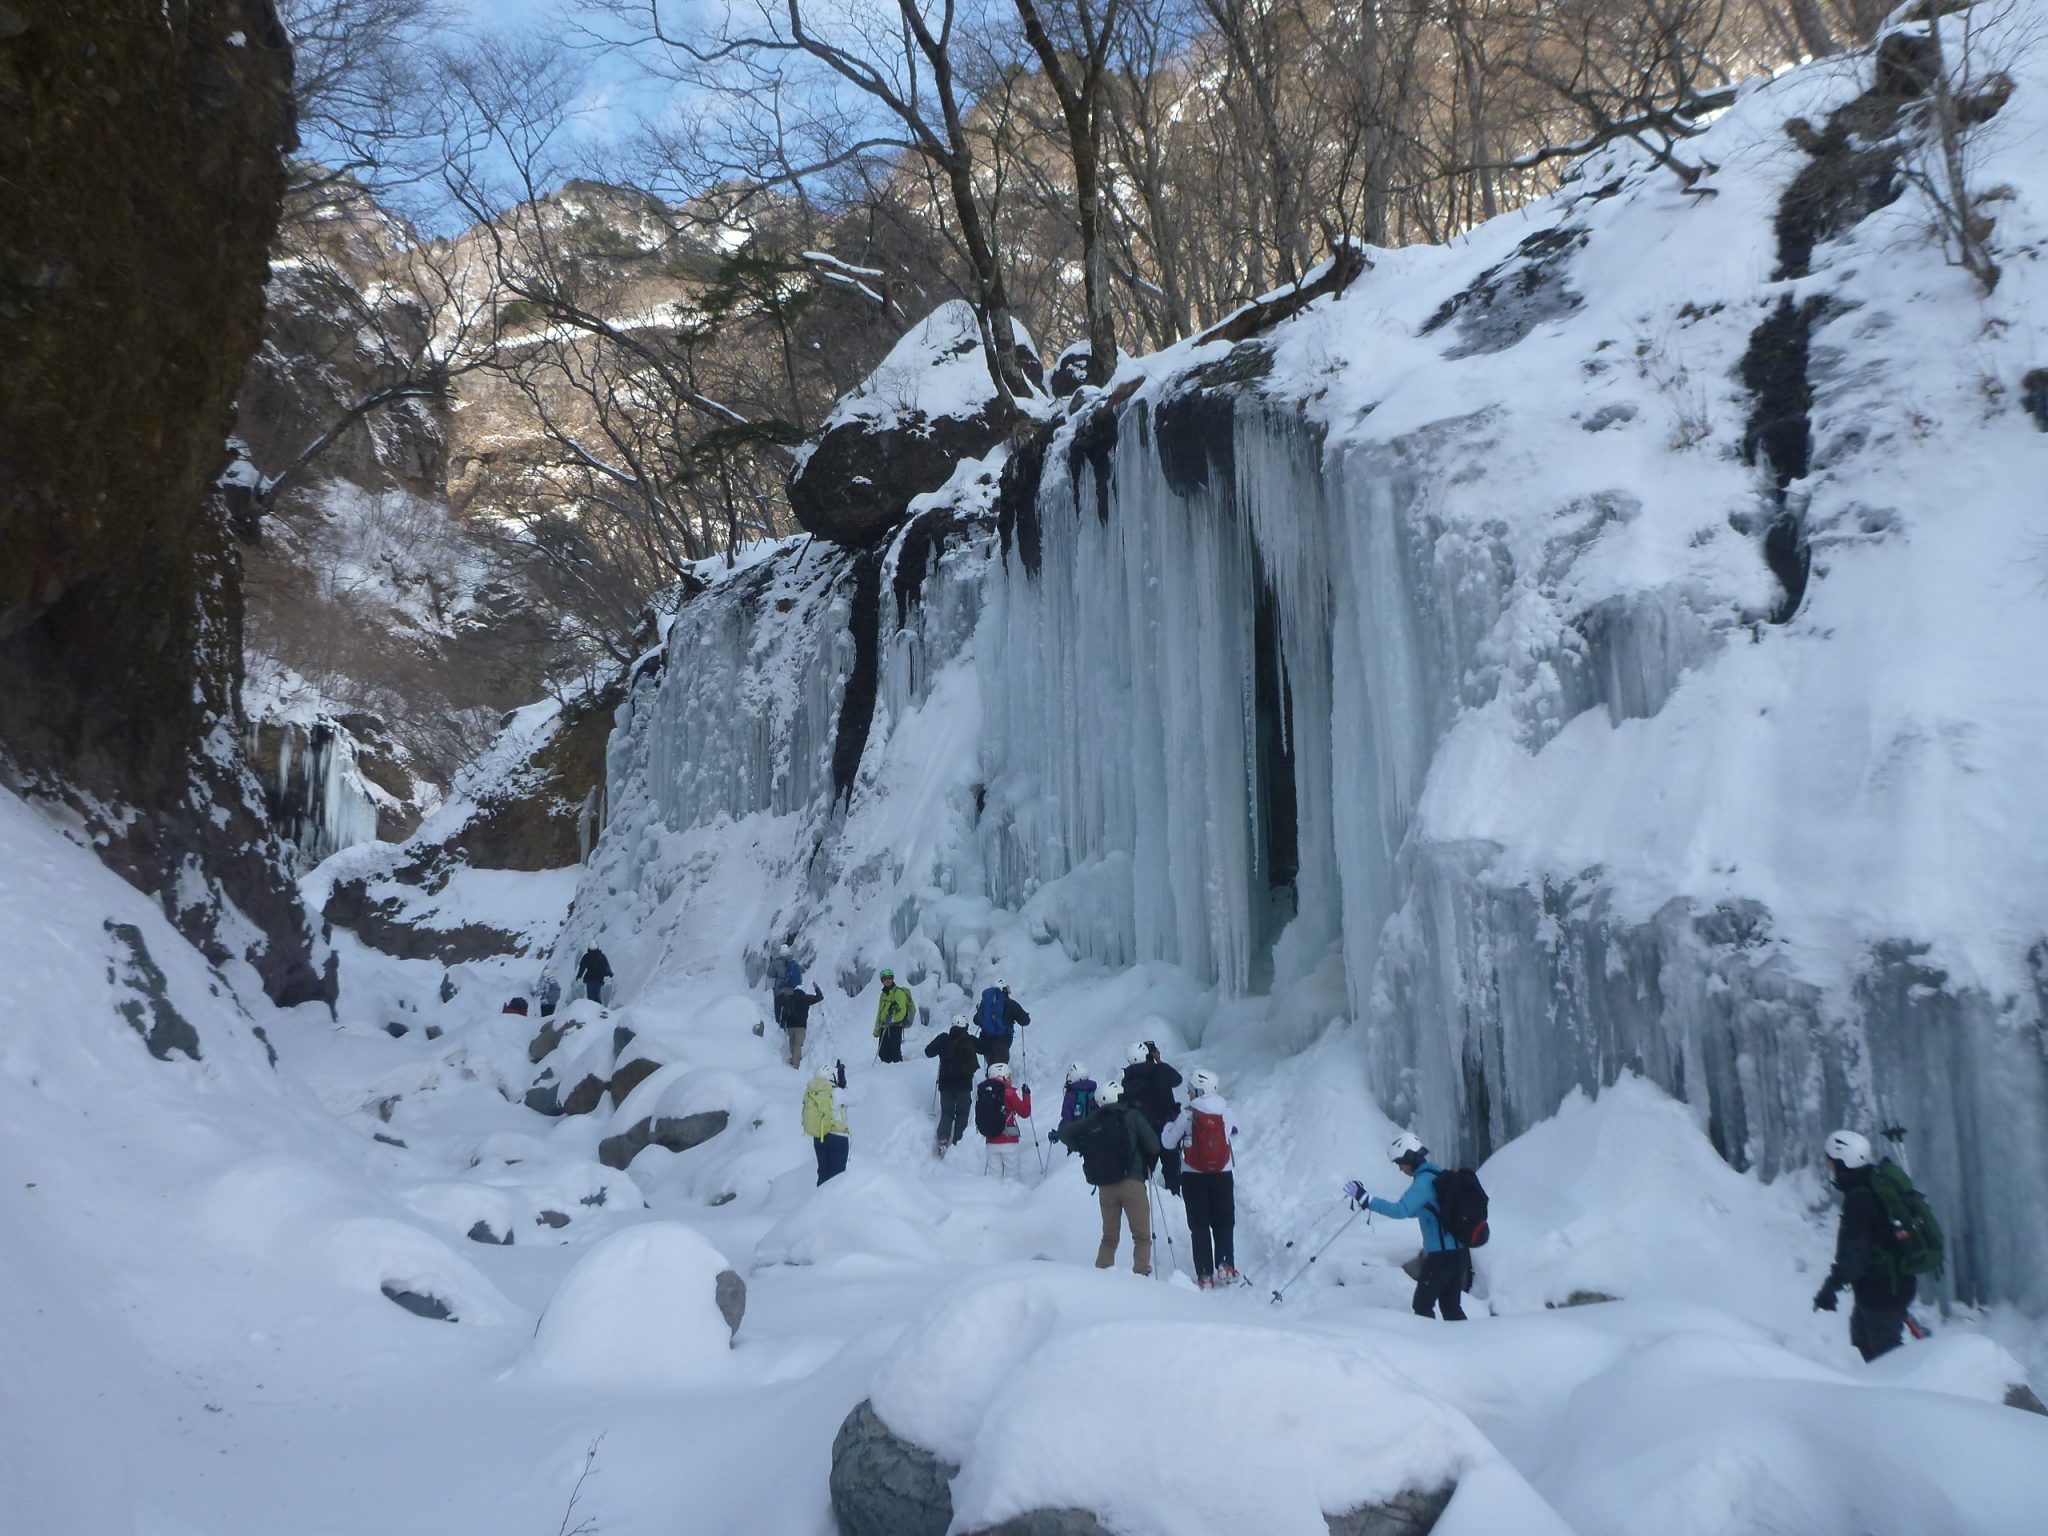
[(993, 1018), (792, 972)]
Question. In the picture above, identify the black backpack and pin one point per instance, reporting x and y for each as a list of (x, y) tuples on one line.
[(991, 1118), (1104, 1142), (1461, 1207), (957, 1057)]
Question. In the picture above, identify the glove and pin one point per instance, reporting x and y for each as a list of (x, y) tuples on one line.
[(1355, 1193), (1823, 1300)]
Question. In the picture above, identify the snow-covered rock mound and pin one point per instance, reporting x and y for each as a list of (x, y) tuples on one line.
[(1559, 654)]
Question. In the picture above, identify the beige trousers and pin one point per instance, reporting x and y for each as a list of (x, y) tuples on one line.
[(1125, 1202), (796, 1045)]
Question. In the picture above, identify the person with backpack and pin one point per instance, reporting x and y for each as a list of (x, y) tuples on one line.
[(1118, 1148), (793, 1008), (594, 970), (825, 1121), (1203, 1136), (1888, 1239), (784, 971), (998, 1106), (1446, 1262), (550, 994), (892, 1014), (958, 1061), (1148, 1087), (997, 1016), (1079, 1099)]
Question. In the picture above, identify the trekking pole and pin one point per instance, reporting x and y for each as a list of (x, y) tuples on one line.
[(1159, 1221), (1317, 1255), (1300, 1236)]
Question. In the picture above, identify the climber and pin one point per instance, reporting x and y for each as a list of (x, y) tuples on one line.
[(1118, 1148), (997, 1016), (825, 1121), (998, 1106), (1203, 1136), (1870, 1231), (1079, 1099), (594, 970), (793, 1013), (1446, 1266), (958, 1061), (550, 994), (892, 1014), (1148, 1086), (784, 971)]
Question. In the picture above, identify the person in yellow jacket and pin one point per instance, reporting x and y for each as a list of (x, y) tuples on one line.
[(892, 1014), (825, 1122)]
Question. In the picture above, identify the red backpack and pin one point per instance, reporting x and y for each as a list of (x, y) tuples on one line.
[(1208, 1146)]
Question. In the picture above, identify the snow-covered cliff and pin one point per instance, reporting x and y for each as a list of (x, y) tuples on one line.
[(1611, 643)]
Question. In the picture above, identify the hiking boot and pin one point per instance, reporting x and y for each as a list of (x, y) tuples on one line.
[(1227, 1276), (1203, 1282)]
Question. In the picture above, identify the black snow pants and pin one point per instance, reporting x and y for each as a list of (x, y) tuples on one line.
[(1211, 1202), (1442, 1286), (954, 1104)]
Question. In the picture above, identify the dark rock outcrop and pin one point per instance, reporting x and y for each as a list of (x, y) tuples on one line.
[(731, 1295), (145, 1002), (480, 1232), (882, 1485), (2021, 1396), (677, 1133), (1409, 1513), (140, 180), (419, 1304)]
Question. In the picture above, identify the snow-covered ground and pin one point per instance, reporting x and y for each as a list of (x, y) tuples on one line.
[(196, 1342)]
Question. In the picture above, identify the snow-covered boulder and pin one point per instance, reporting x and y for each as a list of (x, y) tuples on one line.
[(930, 405), (652, 1305)]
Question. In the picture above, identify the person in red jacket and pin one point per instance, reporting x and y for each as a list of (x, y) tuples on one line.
[(998, 1106)]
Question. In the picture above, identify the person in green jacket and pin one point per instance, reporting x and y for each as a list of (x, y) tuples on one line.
[(892, 1014), (1118, 1149), (825, 1121)]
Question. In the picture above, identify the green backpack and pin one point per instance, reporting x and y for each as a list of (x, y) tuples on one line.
[(1913, 1237)]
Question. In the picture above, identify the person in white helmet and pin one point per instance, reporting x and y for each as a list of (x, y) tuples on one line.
[(1118, 1148), (998, 1106), (1079, 1099), (1446, 1266), (1877, 1322), (1148, 1087), (1203, 1137), (955, 1053)]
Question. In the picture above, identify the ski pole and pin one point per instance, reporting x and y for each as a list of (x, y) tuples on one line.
[(1159, 1221), (1300, 1236), (1317, 1255)]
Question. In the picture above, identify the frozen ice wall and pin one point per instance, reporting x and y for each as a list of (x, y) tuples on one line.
[(1574, 639)]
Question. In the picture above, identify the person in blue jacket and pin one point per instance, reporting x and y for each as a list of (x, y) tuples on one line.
[(1445, 1265)]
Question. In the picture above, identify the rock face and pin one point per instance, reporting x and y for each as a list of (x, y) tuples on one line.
[(139, 189), (930, 405), (882, 1485), (1405, 1514), (731, 1293), (677, 1133)]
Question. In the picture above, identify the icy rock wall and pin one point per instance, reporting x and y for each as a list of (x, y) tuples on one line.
[(316, 794)]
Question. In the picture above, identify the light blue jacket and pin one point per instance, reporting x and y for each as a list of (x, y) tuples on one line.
[(1420, 1203)]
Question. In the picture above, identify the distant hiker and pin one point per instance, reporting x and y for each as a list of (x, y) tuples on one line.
[(784, 972), (892, 1014), (516, 1005), (1079, 1100), (594, 970), (997, 1016), (1446, 1264), (958, 1062), (1888, 1239), (1203, 1136), (550, 994), (825, 1121), (998, 1106), (793, 1013), (1118, 1148), (1148, 1087)]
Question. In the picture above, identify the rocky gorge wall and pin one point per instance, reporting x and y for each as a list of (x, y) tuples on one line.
[(140, 175)]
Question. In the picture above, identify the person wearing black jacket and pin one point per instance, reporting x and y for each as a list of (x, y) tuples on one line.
[(1148, 1088), (793, 1012), (959, 1064), (1877, 1322), (594, 970)]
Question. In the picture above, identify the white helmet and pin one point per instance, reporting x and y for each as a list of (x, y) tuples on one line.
[(1000, 985), (960, 1021), (1202, 1080), (1000, 1070), (1849, 1149), (821, 1073), (1141, 1050), (1110, 1092), (1405, 1146), (1075, 1071)]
